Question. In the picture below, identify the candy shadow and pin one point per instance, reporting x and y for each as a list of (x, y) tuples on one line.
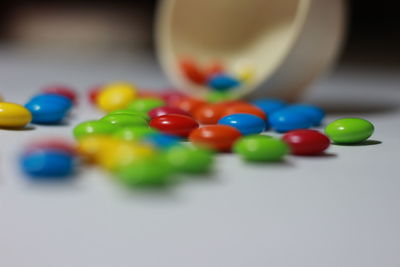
[(283, 163), (27, 128), (322, 155), (363, 143)]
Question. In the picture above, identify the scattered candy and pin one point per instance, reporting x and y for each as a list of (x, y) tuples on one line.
[(315, 114), (124, 120), (223, 82), (287, 120), (261, 148), (192, 71), (349, 130), (306, 142), (189, 159), (130, 112), (245, 123), (162, 141), (188, 104), (49, 108), (144, 105), (133, 133), (269, 106), (215, 137), (174, 124), (48, 163), (209, 114), (93, 127), (14, 115), (116, 96), (235, 108)]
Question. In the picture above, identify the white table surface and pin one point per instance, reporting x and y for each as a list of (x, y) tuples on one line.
[(338, 210)]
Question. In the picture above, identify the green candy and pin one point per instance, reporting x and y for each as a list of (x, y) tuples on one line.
[(189, 159), (217, 96), (123, 120), (92, 127), (144, 105), (133, 133), (146, 172), (260, 148), (349, 130), (130, 112)]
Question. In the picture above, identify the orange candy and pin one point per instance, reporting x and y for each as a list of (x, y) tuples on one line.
[(188, 104), (243, 108), (214, 68), (192, 71), (216, 137), (209, 114)]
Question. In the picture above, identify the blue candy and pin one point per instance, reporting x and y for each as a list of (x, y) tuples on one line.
[(269, 106), (162, 141), (245, 123), (286, 120), (315, 114), (49, 108), (223, 82), (47, 163)]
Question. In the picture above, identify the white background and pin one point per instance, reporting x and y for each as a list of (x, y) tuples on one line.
[(338, 210)]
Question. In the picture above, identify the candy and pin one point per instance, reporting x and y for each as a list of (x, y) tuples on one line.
[(315, 114), (133, 133), (189, 104), (160, 111), (234, 108), (116, 96), (93, 127), (215, 137), (130, 112), (124, 120), (261, 148), (13, 115), (189, 159), (244, 72), (306, 142), (349, 130), (162, 141), (223, 82), (218, 96), (209, 114), (49, 108), (192, 71), (144, 105), (174, 124), (245, 123), (122, 153), (94, 93), (214, 68), (90, 146), (170, 96), (287, 120), (269, 106), (47, 163), (63, 90), (146, 172)]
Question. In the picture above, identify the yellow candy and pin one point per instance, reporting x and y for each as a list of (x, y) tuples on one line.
[(116, 96), (244, 72), (122, 154), (90, 146), (14, 115)]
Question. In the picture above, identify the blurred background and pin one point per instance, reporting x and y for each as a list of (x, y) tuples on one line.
[(373, 37)]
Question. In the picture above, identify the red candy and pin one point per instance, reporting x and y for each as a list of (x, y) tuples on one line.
[(192, 71), (209, 114), (214, 68), (171, 96), (56, 144), (174, 124), (61, 90), (306, 142), (94, 92), (216, 137), (243, 108), (160, 111), (189, 104)]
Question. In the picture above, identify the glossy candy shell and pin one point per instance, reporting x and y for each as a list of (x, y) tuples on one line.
[(93, 127), (215, 137), (286, 120), (349, 130), (174, 124), (306, 142), (261, 148), (14, 115), (245, 123)]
